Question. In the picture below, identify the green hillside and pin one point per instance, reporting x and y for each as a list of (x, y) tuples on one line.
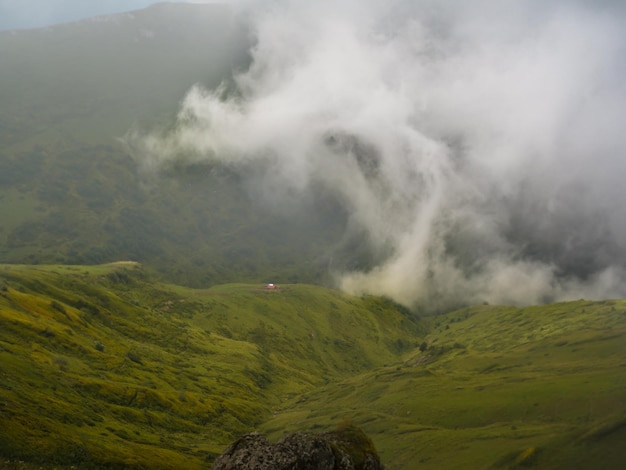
[(491, 387), (104, 366)]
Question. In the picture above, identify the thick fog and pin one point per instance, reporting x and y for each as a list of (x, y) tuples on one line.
[(478, 145)]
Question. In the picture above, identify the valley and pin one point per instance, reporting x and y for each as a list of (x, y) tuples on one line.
[(104, 366)]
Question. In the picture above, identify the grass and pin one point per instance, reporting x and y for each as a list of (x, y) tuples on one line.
[(497, 387), (105, 366)]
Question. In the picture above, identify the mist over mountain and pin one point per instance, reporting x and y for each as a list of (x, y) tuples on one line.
[(437, 153), (477, 148), (160, 168), (93, 79), (71, 193)]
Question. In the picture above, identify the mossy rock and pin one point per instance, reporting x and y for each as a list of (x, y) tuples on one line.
[(348, 448)]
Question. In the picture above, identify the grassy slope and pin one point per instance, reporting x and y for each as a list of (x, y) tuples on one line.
[(102, 365), (497, 387)]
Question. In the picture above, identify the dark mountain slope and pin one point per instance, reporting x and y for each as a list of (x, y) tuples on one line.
[(89, 81), (69, 191)]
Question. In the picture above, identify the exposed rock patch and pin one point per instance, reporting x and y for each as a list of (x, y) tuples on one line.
[(345, 449)]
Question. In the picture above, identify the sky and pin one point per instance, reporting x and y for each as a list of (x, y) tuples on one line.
[(19, 14), (479, 147)]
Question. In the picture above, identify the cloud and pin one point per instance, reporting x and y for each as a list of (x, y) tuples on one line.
[(479, 147)]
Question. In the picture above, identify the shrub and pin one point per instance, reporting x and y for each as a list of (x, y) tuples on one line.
[(48, 333), (58, 307), (61, 362), (527, 457), (133, 356)]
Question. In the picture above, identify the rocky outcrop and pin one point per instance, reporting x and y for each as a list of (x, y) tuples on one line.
[(345, 449)]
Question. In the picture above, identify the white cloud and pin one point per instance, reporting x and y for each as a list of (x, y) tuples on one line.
[(459, 136)]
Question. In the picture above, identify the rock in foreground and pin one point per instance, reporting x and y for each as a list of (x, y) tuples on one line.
[(345, 449)]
